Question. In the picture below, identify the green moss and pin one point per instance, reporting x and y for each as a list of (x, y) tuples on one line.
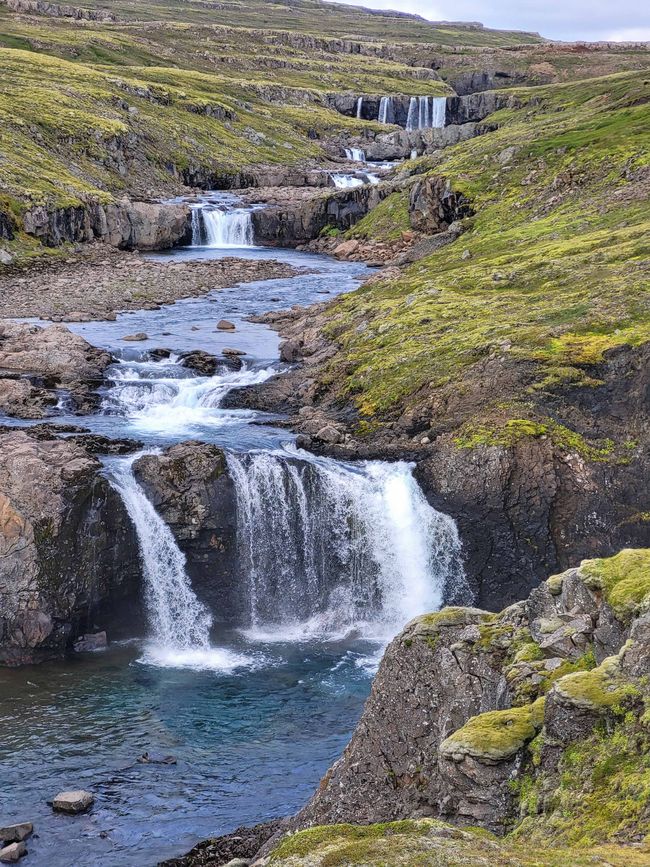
[(601, 689), (624, 580), (386, 222), (496, 735), (428, 624), (515, 430)]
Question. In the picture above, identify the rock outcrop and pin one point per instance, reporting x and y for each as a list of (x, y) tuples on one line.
[(190, 487), (467, 706), (127, 225), (68, 555), (39, 365)]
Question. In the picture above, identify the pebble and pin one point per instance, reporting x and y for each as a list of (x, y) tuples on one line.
[(76, 801)]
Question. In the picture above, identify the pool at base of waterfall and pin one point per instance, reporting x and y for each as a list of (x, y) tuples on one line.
[(251, 735)]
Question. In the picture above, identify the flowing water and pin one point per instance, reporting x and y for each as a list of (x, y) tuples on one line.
[(426, 112), (332, 559)]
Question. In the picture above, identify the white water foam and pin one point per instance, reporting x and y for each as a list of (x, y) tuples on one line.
[(355, 155), (171, 405)]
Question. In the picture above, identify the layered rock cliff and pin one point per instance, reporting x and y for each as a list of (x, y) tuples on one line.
[(68, 555)]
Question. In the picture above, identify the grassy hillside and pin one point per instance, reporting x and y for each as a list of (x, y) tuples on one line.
[(551, 272)]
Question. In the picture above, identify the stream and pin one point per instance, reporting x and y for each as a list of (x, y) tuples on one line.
[(334, 558)]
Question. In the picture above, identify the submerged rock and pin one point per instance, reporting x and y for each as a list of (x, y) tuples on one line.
[(96, 641), (73, 802)]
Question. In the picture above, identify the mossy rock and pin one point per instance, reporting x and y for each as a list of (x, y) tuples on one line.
[(624, 580), (496, 735), (601, 689), (431, 624)]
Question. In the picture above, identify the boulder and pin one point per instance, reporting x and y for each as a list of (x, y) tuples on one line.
[(16, 833), (73, 802), (225, 325), (140, 335), (12, 853)]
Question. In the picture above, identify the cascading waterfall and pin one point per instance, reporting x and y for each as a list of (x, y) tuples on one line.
[(179, 622), (355, 154), (212, 227), (412, 119), (360, 107), (386, 112), (426, 113), (328, 549)]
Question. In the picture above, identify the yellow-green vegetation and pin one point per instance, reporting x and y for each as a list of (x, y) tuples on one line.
[(384, 223), (601, 689), (600, 794), (496, 735), (429, 843), (550, 274), (624, 580)]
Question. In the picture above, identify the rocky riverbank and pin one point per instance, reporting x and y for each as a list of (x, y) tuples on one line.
[(97, 282)]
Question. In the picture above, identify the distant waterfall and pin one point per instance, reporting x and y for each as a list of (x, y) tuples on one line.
[(386, 112), (179, 622), (212, 227), (327, 548), (426, 112), (360, 107), (412, 119), (355, 154)]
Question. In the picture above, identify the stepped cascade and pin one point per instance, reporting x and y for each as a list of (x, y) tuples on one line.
[(357, 155)]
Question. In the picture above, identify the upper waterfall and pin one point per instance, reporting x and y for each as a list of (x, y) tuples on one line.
[(386, 111), (426, 112), (360, 107), (327, 548), (213, 227)]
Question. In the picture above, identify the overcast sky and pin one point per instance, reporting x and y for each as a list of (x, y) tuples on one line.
[(555, 19)]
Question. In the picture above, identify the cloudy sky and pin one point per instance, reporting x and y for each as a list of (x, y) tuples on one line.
[(555, 19)]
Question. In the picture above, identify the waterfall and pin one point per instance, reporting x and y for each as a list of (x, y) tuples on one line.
[(179, 623), (329, 549), (438, 111), (355, 155), (178, 620), (386, 113), (346, 182), (360, 107), (426, 112), (412, 118), (212, 227)]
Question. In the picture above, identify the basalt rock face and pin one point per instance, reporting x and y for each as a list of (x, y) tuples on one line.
[(477, 106), (68, 555), (461, 694), (190, 487), (127, 225), (57, 10), (40, 365), (434, 205), (291, 224)]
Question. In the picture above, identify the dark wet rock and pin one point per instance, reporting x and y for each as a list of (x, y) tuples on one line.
[(96, 444), (434, 205), (231, 351), (159, 354), (190, 487), (91, 641), (73, 802), (156, 759), (16, 833), (202, 362), (68, 553), (245, 842)]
